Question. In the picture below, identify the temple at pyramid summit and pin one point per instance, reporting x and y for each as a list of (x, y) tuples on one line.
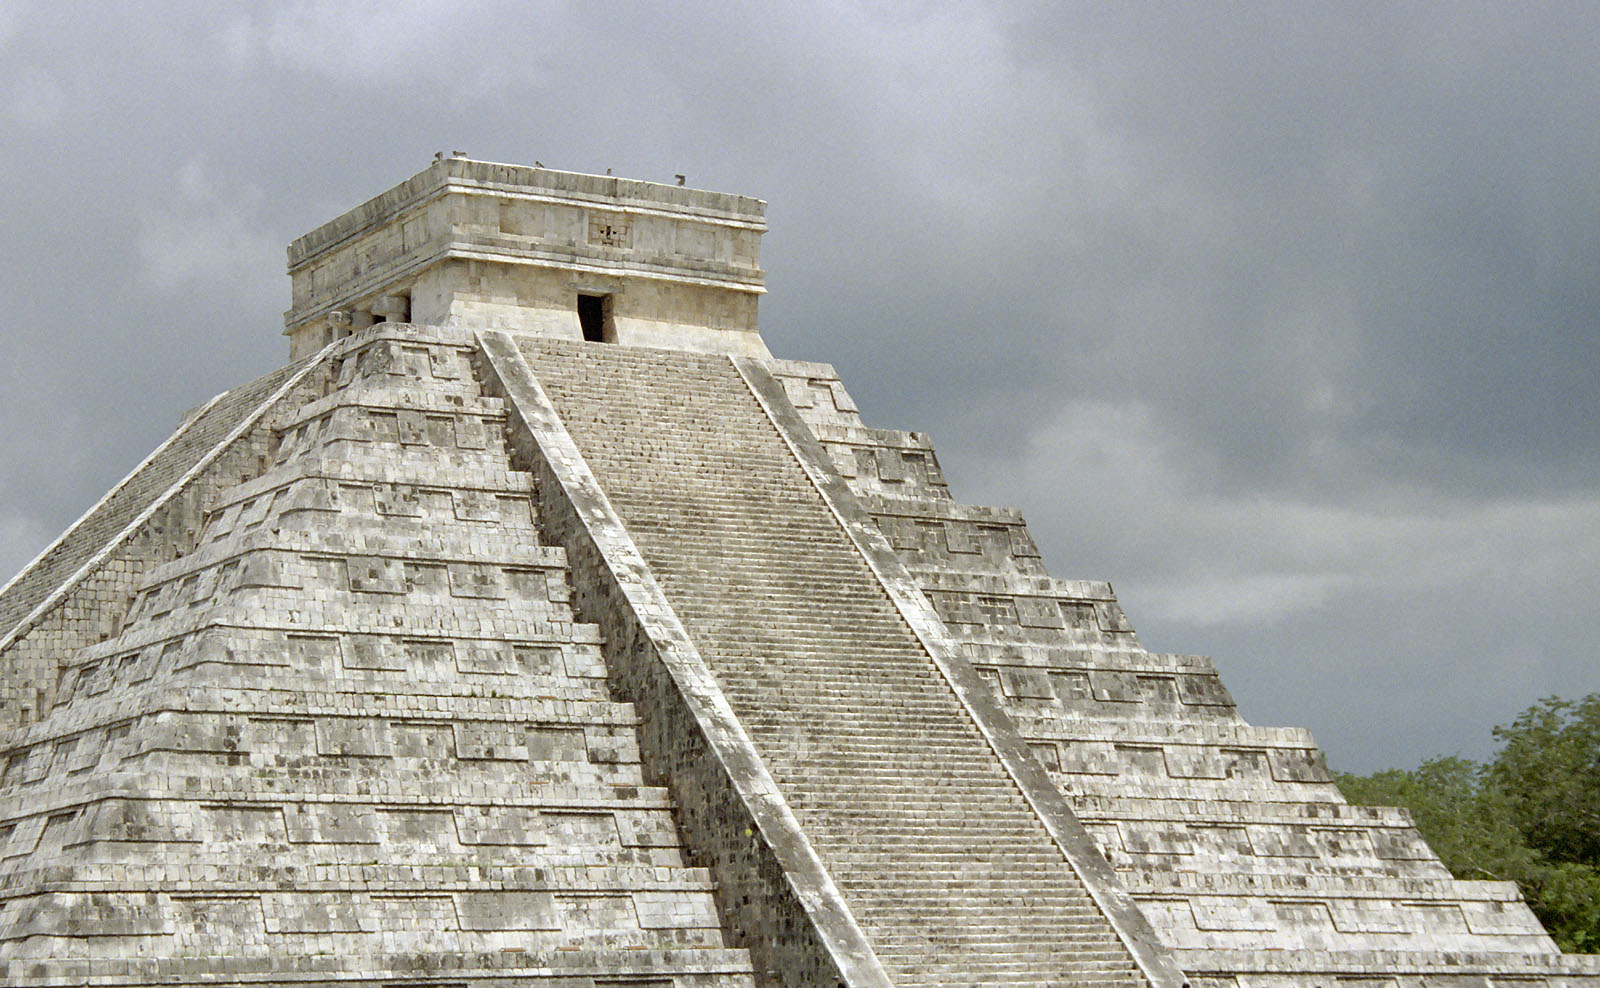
[(536, 627)]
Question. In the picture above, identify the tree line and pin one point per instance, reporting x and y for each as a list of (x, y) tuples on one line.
[(1530, 814)]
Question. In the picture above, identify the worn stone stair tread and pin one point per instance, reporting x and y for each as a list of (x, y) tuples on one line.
[(804, 598)]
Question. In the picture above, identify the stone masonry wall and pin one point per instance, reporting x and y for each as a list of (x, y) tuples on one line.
[(354, 737)]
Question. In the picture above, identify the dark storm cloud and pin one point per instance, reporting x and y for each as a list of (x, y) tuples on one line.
[(1282, 317), (1394, 210)]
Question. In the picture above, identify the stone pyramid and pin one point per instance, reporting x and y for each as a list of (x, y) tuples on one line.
[(536, 627)]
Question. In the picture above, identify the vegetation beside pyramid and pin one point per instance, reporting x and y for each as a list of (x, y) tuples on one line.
[(536, 626)]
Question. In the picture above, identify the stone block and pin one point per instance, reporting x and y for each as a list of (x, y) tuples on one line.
[(429, 741), (519, 826), (433, 828), (265, 568), (373, 652), (673, 910), (246, 825), (1282, 841), (611, 744), (310, 912), (353, 737), (1030, 684), (376, 574), (487, 659), (582, 830), (400, 500), (508, 910), (557, 744), (490, 741), (331, 823), (475, 580)]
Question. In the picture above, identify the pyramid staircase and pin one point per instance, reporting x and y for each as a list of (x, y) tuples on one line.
[(943, 862)]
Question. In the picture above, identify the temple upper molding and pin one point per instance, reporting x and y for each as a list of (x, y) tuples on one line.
[(536, 251)]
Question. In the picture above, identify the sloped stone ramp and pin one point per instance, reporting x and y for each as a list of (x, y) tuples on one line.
[(942, 860)]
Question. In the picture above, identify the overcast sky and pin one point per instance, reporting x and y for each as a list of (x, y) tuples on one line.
[(1281, 317)]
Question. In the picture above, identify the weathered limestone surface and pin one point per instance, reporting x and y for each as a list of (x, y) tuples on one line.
[(471, 654), (353, 734)]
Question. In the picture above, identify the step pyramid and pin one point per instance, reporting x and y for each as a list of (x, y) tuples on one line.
[(536, 627)]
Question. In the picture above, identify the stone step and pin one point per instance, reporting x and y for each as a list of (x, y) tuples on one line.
[(925, 834)]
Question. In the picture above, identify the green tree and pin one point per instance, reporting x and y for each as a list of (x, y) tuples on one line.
[(1548, 767), (1531, 815), (1471, 830)]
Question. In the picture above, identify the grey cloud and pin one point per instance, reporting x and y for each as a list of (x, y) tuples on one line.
[(1290, 307)]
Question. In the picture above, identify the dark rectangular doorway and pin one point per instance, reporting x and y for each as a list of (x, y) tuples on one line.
[(594, 316)]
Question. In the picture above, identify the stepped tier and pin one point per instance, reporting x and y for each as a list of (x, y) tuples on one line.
[(1232, 837), (352, 731)]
